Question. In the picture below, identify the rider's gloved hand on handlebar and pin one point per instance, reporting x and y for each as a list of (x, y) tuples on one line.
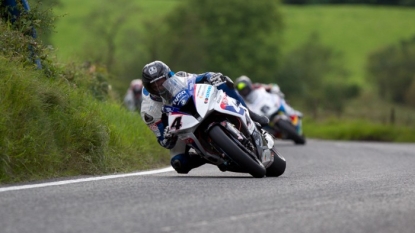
[(169, 139), (216, 79)]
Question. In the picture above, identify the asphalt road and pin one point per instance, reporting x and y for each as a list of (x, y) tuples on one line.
[(328, 186)]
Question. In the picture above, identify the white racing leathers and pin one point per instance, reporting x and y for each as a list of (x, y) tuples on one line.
[(262, 102), (151, 113)]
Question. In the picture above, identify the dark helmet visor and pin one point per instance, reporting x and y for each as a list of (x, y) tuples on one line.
[(157, 85)]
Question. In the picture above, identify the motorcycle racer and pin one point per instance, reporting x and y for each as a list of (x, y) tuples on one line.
[(255, 93), (133, 97), (153, 76), (271, 88), (268, 100)]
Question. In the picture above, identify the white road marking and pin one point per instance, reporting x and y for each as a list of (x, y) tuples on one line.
[(31, 186)]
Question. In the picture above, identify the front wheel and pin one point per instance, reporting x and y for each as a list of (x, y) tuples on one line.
[(277, 167), (236, 153), (288, 129)]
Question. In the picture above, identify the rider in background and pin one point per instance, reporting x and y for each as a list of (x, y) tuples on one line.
[(253, 93), (271, 88), (133, 97), (153, 76)]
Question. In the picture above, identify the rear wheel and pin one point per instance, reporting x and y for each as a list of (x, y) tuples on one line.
[(290, 131), (233, 149)]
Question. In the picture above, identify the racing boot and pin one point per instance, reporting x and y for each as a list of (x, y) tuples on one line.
[(183, 163), (261, 119)]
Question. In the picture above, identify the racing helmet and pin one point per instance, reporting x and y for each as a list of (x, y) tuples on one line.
[(244, 85), (136, 86), (153, 76), (276, 90)]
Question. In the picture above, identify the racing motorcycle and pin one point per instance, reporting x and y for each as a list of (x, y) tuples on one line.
[(281, 125), (287, 127), (219, 129)]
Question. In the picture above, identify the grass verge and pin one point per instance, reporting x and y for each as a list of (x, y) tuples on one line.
[(358, 130), (51, 128)]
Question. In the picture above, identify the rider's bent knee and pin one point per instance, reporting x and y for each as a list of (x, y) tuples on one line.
[(181, 164)]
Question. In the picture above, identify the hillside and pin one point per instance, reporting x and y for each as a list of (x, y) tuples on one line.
[(354, 31), (70, 26), (52, 127)]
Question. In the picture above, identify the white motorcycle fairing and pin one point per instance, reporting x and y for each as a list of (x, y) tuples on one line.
[(207, 100)]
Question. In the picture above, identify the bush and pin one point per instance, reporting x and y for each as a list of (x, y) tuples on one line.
[(51, 124), (228, 36), (373, 2), (392, 71), (19, 40), (315, 73), (358, 130), (52, 128)]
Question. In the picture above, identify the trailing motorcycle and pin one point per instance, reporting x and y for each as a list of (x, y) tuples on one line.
[(287, 127), (282, 125), (220, 129)]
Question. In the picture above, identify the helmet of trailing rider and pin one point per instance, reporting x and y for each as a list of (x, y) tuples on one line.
[(136, 86), (276, 90), (244, 85), (154, 75)]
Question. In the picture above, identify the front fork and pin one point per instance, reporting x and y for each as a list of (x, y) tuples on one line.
[(263, 142)]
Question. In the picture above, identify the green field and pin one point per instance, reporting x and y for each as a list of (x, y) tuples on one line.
[(353, 30), (70, 26)]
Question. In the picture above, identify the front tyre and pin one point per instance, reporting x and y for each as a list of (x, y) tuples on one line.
[(237, 154), (277, 167), (290, 131)]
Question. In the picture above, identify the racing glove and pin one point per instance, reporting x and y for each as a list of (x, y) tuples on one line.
[(168, 140), (216, 79)]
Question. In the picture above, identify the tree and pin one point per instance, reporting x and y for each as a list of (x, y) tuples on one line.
[(107, 24), (29, 22), (314, 73), (391, 69), (374, 2), (410, 94), (229, 36), (44, 7)]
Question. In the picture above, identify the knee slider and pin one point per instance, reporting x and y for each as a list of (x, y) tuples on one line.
[(180, 163)]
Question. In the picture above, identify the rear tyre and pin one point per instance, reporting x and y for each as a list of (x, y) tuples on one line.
[(290, 131), (237, 154)]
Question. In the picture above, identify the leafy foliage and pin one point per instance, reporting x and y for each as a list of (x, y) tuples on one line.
[(112, 40), (45, 8), (51, 129), (228, 36), (18, 44), (358, 130), (19, 39), (106, 24), (315, 73), (374, 2), (391, 69), (51, 123)]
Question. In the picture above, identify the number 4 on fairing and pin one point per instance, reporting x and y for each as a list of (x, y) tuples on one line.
[(177, 123), (219, 129)]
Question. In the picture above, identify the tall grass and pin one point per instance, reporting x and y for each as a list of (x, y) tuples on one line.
[(358, 130), (50, 128)]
